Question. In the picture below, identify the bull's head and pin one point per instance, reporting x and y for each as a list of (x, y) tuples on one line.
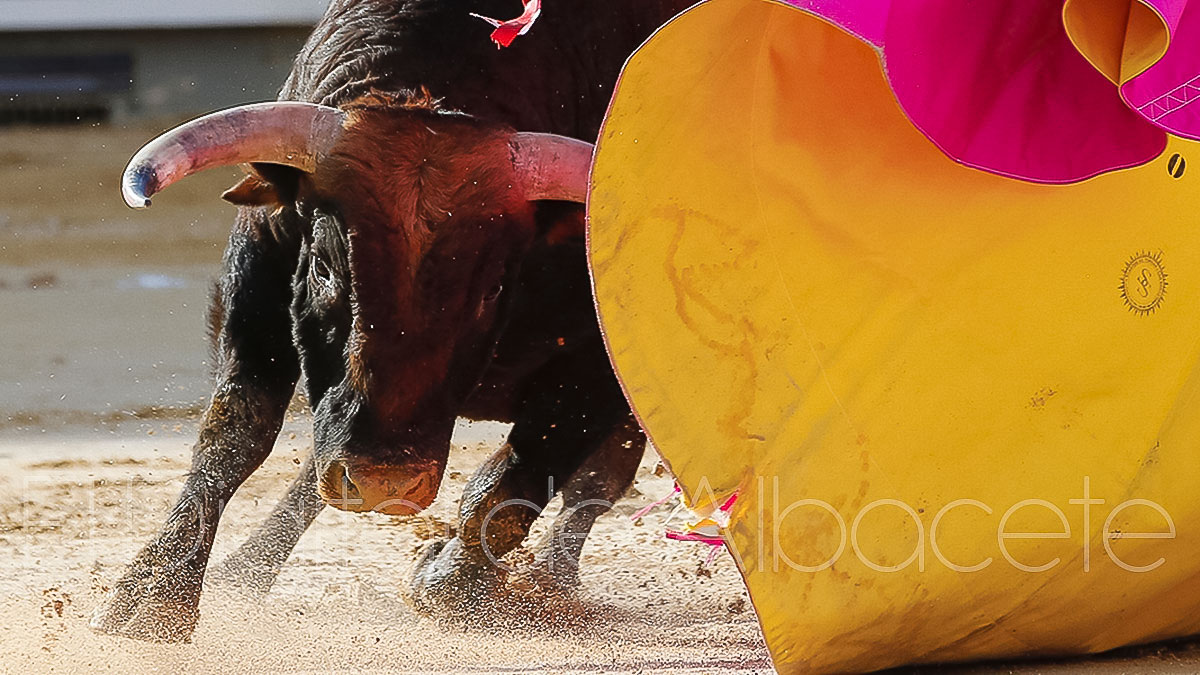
[(413, 220)]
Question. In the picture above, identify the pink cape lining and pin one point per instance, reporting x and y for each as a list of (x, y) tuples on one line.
[(1001, 86)]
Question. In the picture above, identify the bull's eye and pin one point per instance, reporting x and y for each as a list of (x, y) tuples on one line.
[(320, 269)]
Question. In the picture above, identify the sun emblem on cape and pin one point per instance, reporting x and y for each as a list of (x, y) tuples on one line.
[(1144, 283)]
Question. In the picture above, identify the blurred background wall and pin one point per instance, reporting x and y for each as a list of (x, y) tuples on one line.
[(64, 61), (102, 309)]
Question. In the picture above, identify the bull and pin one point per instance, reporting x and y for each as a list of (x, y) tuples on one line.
[(410, 238)]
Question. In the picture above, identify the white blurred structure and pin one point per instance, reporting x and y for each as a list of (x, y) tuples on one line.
[(94, 60), (26, 15)]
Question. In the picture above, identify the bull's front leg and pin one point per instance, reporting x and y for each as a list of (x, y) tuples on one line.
[(158, 596), (253, 567), (589, 493), (572, 409)]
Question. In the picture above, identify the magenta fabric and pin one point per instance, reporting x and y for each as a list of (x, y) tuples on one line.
[(998, 84), (1166, 92), (864, 19)]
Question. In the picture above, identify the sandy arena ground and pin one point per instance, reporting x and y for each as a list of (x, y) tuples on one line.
[(102, 376)]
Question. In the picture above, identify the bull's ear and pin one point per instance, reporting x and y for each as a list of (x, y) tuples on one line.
[(252, 191), (265, 185)]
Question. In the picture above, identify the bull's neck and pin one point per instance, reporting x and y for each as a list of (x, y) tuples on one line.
[(557, 78)]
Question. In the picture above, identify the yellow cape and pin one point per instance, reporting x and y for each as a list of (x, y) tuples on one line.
[(914, 374)]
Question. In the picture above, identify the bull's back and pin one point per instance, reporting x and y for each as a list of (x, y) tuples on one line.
[(557, 78)]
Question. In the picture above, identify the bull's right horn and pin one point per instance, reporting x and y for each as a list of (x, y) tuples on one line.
[(291, 133), (551, 166)]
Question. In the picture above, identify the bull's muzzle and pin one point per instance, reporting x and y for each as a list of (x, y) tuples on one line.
[(363, 485)]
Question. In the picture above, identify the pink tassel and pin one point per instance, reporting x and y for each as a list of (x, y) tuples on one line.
[(647, 509), (507, 31), (711, 540), (712, 537), (712, 554)]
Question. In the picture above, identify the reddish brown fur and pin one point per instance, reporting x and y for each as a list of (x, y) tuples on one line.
[(441, 181)]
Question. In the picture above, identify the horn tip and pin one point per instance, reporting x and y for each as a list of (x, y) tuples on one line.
[(137, 186), (136, 202)]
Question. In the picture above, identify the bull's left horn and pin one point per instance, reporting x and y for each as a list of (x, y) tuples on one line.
[(552, 166), (291, 133)]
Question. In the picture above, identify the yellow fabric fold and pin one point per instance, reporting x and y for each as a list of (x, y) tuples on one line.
[(1120, 38)]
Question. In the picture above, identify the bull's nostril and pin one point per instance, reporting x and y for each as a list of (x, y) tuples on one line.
[(348, 486), (340, 489)]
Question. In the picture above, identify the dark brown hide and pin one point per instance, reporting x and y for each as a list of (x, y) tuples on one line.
[(432, 220), (433, 225)]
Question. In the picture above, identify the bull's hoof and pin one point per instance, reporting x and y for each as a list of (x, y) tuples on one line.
[(456, 582), (554, 573), (150, 605)]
